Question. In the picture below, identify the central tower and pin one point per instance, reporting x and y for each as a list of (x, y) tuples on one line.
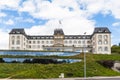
[(58, 37)]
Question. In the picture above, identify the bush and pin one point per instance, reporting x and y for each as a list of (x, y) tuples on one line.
[(106, 63), (1, 60)]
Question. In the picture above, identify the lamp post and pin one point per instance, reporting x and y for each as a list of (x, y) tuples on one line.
[(84, 57)]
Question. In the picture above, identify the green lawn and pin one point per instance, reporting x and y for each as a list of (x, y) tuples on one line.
[(16, 70)]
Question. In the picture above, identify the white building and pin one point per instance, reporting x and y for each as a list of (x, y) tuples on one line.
[(99, 42)]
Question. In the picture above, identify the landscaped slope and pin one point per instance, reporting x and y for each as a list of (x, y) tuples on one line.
[(19, 70)]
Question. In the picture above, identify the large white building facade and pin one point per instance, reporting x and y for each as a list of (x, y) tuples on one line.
[(98, 43)]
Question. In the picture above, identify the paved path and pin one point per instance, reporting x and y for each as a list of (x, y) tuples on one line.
[(90, 78)]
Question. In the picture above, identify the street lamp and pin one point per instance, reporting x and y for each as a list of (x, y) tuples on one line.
[(84, 57)]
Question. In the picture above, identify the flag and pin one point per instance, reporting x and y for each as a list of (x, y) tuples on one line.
[(60, 22), (85, 33)]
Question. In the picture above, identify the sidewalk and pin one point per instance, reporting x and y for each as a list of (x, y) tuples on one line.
[(88, 78)]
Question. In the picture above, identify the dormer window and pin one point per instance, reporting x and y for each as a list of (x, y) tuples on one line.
[(17, 32)]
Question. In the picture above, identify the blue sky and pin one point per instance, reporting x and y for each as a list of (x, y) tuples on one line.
[(42, 17)]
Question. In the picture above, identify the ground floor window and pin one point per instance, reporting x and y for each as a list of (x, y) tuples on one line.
[(99, 48), (106, 49)]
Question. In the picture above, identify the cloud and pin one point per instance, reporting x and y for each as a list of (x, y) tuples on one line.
[(2, 14), (4, 39), (116, 24), (28, 6), (12, 4), (76, 15), (9, 22), (76, 26)]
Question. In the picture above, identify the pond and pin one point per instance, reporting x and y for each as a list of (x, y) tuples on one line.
[(41, 61), (35, 53)]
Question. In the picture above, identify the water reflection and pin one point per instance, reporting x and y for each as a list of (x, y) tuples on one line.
[(41, 61), (29, 53)]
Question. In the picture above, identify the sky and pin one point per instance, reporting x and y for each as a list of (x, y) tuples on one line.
[(41, 17)]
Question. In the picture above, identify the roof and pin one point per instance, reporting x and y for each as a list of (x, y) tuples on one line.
[(101, 30), (18, 31), (40, 37), (77, 37), (58, 31), (65, 36)]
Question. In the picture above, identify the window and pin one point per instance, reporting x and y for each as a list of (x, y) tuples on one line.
[(106, 42), (83, 42), (33, 42), (38, 46), (47, 42), (79, 42), (88, 42), (99, 36), (13, 42), (66, 42), (99, 42), (30, 42), (75, 42), (18, 42), (105, 36), (42, 42), (18, 48), (106, 49), (38, 42), (18, 37), (13, 48), (93, 38), (24, 44), (70, 41), (29, 46), (13, 37), (51, 42), (99, 48)]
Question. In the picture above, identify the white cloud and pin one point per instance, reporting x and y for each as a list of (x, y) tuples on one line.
[(2, 14), (28, 6), (9, 22), (73, 22), (29, 20), (13, 4), (116, 24), (4, 39), (75, 26)]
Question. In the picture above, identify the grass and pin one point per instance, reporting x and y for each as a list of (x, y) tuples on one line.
[(16, 70)]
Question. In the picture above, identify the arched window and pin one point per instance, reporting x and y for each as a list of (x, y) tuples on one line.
[(106, 42)]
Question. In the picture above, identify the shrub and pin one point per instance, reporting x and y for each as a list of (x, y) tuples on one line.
[(106, 63)]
